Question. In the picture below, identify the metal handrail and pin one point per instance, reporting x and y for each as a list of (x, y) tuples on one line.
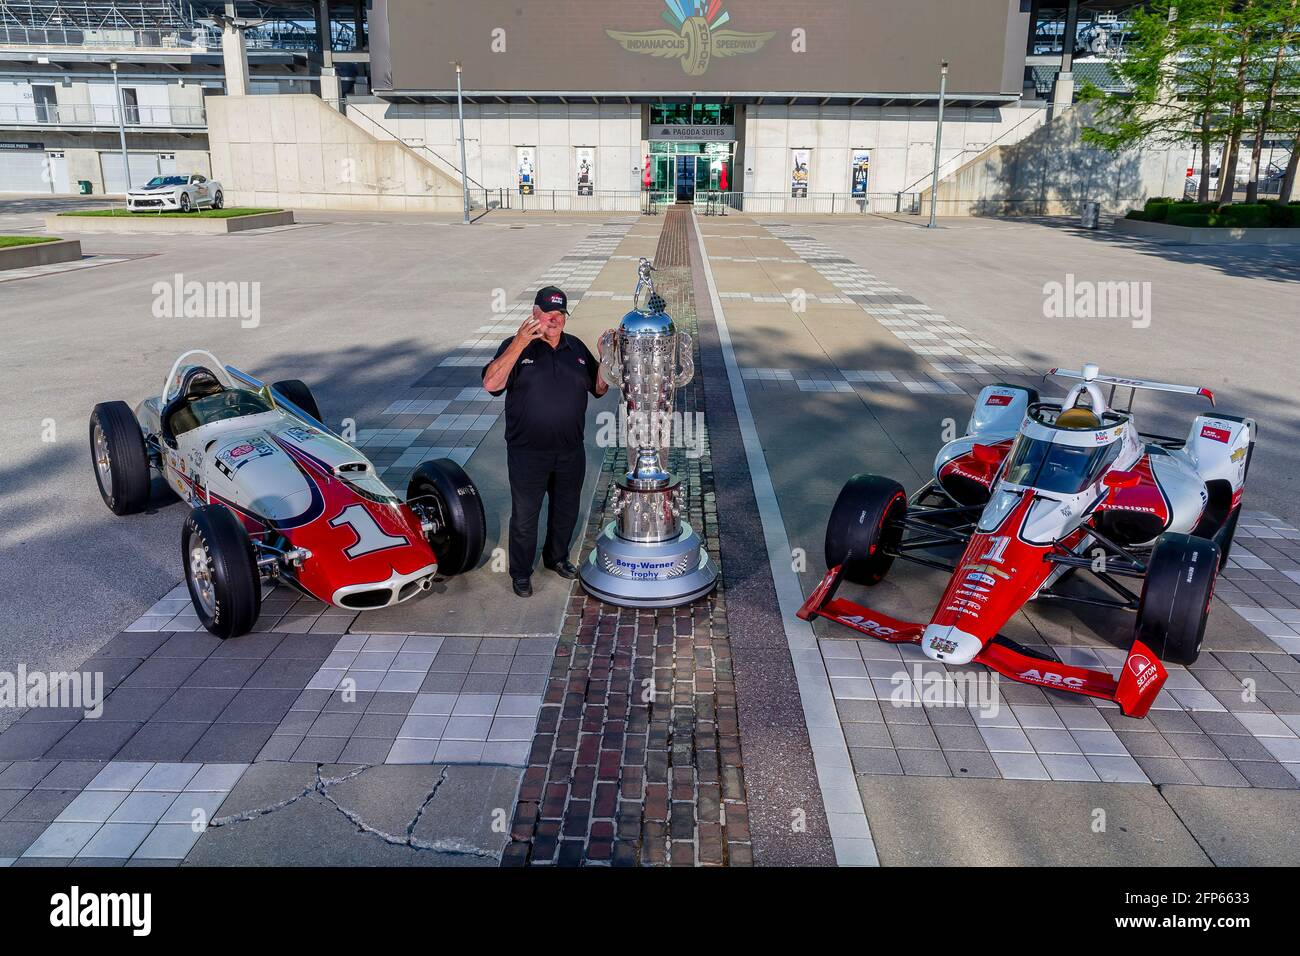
[(973, 152), (432, 152)]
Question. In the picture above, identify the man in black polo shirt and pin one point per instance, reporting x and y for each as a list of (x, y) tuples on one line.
[(546, 375)]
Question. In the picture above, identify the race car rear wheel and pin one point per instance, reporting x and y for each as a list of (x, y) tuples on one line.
[(443, 491), (218, 201), (221, 571), (865, 527), (300, 394), (118, 455), (1176, 596)]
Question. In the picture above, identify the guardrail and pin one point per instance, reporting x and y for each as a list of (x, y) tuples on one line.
[(88, 114), (559, 200)]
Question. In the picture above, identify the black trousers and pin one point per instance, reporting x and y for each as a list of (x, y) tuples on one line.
[(557, 475)]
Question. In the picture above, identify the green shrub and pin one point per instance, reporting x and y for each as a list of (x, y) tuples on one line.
[(1189, 218), (1242, 216), (1138, 215), (1158, 201)]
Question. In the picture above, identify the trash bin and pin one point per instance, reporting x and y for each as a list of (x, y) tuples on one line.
[(83, 186), (1090, 217)]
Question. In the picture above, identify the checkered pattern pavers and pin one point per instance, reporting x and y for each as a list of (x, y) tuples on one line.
[(637, 756), (127, 810), (910, 320)]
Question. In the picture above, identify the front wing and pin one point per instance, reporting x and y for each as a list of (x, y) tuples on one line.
[(1140, 680)]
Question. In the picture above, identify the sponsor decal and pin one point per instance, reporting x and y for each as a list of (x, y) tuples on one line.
[(582, 361), (1050, 678), (866, 624), (998, 399), (1239, 454), (238, 455), (981, 578), (697, 40), (526, 361), (300, 433), (1143, 670), (1216, 434), (942, 645)]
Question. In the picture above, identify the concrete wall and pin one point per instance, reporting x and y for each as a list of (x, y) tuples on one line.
[(83, 151), (1052, 172), (295, 151), (493, 132), (901, 141)]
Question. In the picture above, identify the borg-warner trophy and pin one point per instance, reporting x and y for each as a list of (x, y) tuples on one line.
[(648, 556)]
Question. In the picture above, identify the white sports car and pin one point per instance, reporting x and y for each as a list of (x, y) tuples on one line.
[(176, 194)]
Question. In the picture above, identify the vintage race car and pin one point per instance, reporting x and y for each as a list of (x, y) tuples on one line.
[(176, 194), (275, 494), (1034, 493)]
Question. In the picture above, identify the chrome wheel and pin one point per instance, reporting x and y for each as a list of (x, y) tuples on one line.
[(103, 462), (201, 583)]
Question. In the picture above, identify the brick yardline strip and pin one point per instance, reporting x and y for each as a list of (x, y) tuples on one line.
[(848, 823), (614, 778)]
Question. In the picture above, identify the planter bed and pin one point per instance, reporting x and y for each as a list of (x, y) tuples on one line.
[(36, 251), (204, 222)]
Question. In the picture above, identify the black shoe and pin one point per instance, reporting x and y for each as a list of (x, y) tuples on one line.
[(523, 586), (564, 569)]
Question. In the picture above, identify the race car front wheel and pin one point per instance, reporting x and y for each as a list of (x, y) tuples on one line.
[(121, 463), (1176, 596), (218, 201), (300, 394), (221, 571), (186, 205), (443, 493), (865, 527)]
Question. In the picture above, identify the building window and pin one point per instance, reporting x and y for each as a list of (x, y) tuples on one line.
[(688, 114), (47, 106)]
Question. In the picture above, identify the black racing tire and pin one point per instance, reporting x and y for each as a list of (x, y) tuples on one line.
[(865, 523), (186, 204), (227, 593), (444, 487), (218, 200), (119, 460), (300, 394), (1176, 596)]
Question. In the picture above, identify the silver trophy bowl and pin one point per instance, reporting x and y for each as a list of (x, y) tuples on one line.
[(648, 556)]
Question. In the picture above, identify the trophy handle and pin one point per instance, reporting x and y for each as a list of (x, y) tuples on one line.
[(685, 359), (609, 361)]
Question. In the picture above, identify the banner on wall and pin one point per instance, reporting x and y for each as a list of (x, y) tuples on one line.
[(860, 171), (799, 161), (586, 167), (526, 169)]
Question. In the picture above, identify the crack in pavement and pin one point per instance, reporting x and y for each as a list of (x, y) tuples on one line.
[(320, 785)]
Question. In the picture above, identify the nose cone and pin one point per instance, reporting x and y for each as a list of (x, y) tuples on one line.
[(950, 644)]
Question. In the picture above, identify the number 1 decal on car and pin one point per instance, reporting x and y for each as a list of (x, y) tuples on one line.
[(370, 537)]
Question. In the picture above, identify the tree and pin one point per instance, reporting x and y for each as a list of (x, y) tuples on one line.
[(1278, 80), (1179, 82)]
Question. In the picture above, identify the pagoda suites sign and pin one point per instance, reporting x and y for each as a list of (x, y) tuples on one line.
[(693, 134)]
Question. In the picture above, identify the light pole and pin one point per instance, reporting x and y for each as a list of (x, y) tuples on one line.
[(121, 124), (938, 144), (464, 169)]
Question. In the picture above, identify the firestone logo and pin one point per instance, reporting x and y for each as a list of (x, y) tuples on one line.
[(697, 39)]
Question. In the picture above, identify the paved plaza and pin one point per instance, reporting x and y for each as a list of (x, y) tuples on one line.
[(486, 730)]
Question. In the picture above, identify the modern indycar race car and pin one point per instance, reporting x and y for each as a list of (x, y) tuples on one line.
[(1034, 493), (275, 494), (176, 194)]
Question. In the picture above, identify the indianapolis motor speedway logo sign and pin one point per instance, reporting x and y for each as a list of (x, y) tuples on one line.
[(697, 39)]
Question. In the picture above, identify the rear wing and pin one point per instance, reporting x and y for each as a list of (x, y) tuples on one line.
[(1089, 373)]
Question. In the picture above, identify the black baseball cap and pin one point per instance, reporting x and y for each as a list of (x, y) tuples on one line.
[(552, 299)]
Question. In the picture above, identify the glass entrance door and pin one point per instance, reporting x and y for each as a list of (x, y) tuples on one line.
[(686, 178)]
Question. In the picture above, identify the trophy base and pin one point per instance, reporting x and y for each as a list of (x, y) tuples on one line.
[(636, 574)]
